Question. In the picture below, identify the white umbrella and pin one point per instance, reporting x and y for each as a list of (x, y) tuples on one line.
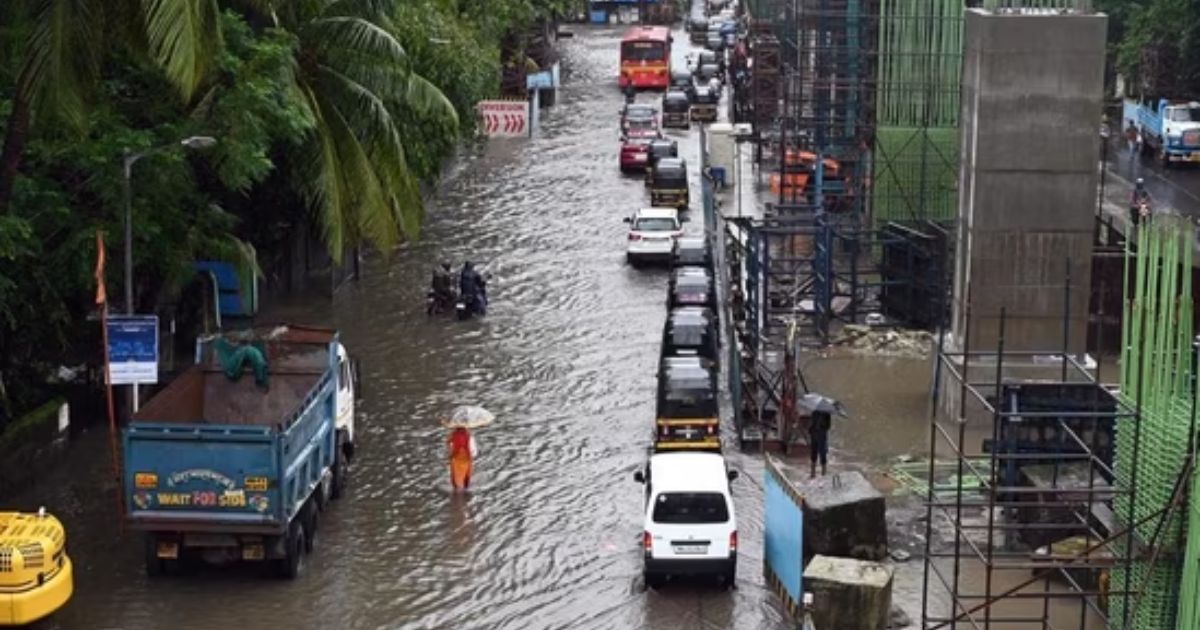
[(469, 417), (817, 402)]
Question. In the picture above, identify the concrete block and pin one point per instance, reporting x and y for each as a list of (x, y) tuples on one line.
[(844, 516), (849, 594)]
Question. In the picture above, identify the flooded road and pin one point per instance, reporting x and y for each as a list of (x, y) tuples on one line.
[(548, 536)]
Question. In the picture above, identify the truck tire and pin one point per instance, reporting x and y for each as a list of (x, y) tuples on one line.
[(339, 475), (291, 565), (310, 527)]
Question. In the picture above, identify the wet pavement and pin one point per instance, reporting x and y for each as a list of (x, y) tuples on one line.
[(548, 536)]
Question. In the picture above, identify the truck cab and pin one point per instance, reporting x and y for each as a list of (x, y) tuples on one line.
[(1169, 129)]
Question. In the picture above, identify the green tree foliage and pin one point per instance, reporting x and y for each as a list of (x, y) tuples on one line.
[(1156, 44), (326, 111)]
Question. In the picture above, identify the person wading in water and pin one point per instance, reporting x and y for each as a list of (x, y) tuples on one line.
[(462, 454)]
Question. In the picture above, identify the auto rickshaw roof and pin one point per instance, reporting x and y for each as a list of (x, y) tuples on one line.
[(675, 96), (689, 315), (705, 95), (680, 76), (690, 243), (707, 57), (673, 163)]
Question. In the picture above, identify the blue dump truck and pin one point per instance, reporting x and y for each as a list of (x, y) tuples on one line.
[(236, 459), (1170, 129)]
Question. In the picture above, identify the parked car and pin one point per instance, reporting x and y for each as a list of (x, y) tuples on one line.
[(690, 525), (652, 234), (691, 286), (638, 115), (692, 251)]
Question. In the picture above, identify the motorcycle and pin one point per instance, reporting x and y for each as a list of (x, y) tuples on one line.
[(436, 304), (475, 304), (468, 306)]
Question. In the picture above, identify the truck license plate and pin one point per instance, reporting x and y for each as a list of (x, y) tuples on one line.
[(168, 550), (253, 552)]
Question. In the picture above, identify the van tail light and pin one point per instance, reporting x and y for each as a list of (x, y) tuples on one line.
[(732, 540), (634, 236), (647, 542)]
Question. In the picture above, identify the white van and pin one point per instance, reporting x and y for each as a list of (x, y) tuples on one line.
[(690, 524)]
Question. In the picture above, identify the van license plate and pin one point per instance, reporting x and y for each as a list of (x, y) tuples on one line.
[(690, 549)]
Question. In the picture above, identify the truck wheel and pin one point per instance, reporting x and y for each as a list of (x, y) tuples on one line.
[(291, 565), (339, 473), (310, 529)]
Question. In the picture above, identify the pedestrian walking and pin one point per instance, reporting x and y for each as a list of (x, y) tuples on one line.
[(818, 440), (1131, 138), (462, 451)]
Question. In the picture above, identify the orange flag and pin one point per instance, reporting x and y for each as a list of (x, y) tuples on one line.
[(101, 294)]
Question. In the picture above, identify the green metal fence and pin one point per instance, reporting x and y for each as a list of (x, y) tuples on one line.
[(1151, 449)]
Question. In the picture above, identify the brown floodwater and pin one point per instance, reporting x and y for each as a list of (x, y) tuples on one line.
[(548, 537)]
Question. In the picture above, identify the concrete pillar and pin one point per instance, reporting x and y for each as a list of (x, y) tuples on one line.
[(1031, 105)]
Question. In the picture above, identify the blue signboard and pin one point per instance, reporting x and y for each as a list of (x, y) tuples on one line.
[(783, 535), (133, 349)]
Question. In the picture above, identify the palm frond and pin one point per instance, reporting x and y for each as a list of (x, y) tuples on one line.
[(428, 99), (184, 36), (62, 58), (354, 33)]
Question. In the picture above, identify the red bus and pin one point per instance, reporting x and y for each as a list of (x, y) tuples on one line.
[(646, 57)]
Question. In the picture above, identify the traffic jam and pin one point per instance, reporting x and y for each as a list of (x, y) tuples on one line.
[(690, 527)]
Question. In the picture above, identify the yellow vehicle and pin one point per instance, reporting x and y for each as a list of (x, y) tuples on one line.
[(35, 573)]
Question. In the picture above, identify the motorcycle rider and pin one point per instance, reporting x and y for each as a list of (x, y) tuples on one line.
[(442, 286), (1139, 205), (473, 288)]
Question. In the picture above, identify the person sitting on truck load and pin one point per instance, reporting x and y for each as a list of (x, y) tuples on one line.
[(462, 454)]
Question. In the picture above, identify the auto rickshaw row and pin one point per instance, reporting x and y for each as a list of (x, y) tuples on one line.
[(686, 415)]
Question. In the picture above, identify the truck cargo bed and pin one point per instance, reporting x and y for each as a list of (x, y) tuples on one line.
[(206, 396)]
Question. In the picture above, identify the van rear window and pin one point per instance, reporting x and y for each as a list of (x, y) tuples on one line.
[(690, 508)]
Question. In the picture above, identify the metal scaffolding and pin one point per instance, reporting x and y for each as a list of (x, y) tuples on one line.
[(1071, 510)]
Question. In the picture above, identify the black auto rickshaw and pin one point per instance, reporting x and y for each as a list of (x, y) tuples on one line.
[(669, 184), (708, 57), (690, 331), (698, 29), (704, 106), (687, 416), (691, 286), (691, 251), (682, 80), (675, 110), (658, 149)]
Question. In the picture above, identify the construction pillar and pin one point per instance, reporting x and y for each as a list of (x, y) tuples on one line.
[(1032, 86)]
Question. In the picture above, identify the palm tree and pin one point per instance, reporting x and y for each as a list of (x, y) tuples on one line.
[(63, 44), (353, 74)]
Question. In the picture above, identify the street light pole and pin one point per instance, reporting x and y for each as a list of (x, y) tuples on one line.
[(128, 159)]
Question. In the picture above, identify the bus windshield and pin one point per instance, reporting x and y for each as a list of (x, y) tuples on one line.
[(642, 51)]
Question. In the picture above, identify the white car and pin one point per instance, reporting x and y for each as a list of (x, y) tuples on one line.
[(690, 526), (652, 234)]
